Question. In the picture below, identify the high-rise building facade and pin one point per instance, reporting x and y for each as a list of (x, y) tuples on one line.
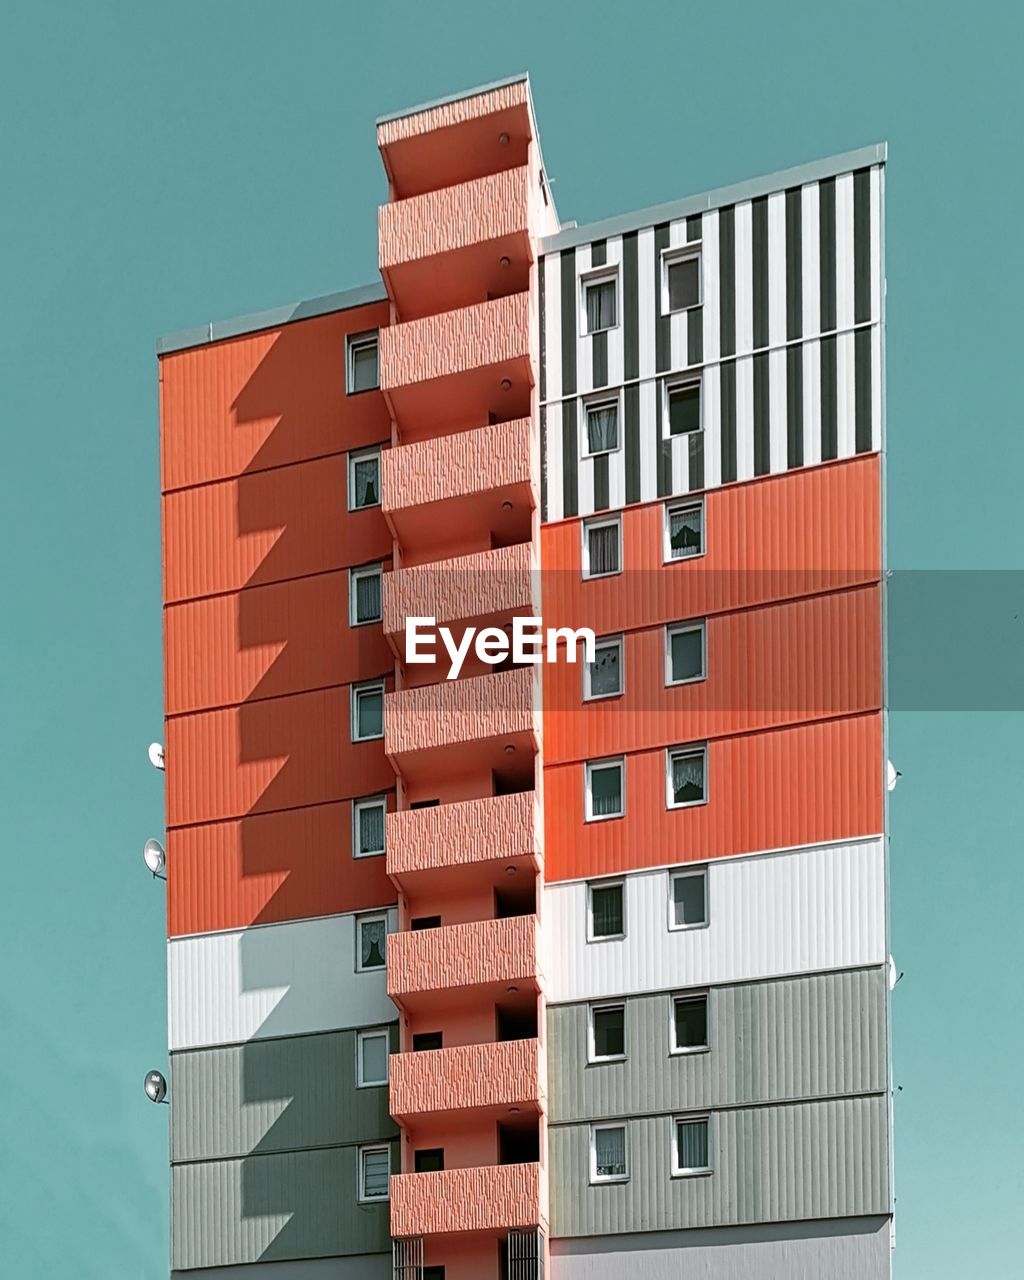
[(565, 970)]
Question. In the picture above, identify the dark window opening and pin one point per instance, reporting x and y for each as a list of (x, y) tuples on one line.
[(516, 1022), (425, 922), (429, 1160), (423, 1041), (519, 1143)]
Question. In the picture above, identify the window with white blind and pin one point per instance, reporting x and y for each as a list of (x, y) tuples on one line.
[(690, 1023), (691, 1145), (371, 942), (686, 776), (372, 1057), (374, 1172), (681, 279), (361, 362), (602, 678), (364, 479), (606, 910), (368, 826), (600, 301), (364, 586), (688, 904), (368, 711), (608, 1156), (604, 781), (602, 548), (684, 531), (685, 653), (682, 413), (602, 423)]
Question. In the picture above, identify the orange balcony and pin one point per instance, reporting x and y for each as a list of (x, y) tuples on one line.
[(477, 1077), (435, 965), (491, 1198), (477, 358), (460, 245), (467, 835), (486, 477)]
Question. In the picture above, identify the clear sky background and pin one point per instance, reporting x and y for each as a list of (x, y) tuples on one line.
[(162, 165)]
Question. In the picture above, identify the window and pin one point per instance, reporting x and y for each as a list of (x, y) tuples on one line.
[(604, 798), (600, 302), (689, 1023), (602, 418), (602, 548), (372, 940), (684, 531), (364, 594), (606, 910), (687, 776), (368, 711), (608, 1153), (682, 407), (685, 653), (428, 1160), (372, 1057), (368, 826), (681, 279), (361, 374), (602, 678), (689, 899), (607, 1032), (364, 479), (374, 1172), (691, 1148)]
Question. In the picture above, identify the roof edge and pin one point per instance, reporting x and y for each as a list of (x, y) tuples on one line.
[(449, 98)]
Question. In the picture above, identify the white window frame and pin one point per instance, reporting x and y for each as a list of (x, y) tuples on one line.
[(353, 341), (681, 997), (599, 275), (669, 258), (606, 642), (373, 1149), (366, 686), (600, 523), (600, 399), (678, 629), (368, 1034), (370, 917), (670, 507), (685, 749), (367, 802), (675, 384), (592, 1054), (375, 570), (682, 873), (604, 884), (595, 1177), (677, 1171), (588, 807), (363, 455)]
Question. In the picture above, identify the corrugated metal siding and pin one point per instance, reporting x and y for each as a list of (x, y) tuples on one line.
[(276, 980), (267, 1208), (272, 754), (785, 913), (274, 1095), (270, 867), (771, 1164), (265, 399), (803, 660), (366, 1266), (266, 527), (768, 790), (816, 1036)]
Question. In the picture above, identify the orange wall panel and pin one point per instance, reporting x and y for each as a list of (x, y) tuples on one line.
[(267, 641), (265, 399), (770, 790), (266, 527), (270, 867)]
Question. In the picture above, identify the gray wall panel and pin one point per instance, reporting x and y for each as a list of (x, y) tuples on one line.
[(795, 1038), (840, 1250), (272, 1208), (273, 1095), (771, 1164), (368, 1266)]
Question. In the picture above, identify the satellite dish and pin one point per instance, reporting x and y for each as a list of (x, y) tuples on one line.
[(155, 1086), (894, 976), (892, 775), (156, 755), (154, 855)]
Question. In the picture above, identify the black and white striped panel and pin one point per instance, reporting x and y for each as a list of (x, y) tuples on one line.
[(787, 342)]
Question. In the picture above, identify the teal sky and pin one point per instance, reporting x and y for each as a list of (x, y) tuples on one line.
[(165, 165)]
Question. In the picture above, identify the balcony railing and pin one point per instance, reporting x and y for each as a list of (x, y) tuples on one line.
[(457, 713), (486, 584), (464, 834), (462, 955), (465, 1077), (489, 1198)]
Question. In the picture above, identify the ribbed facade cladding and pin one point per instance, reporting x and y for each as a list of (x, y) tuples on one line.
[(821, 1035), (367, 1266), (770, 1164)]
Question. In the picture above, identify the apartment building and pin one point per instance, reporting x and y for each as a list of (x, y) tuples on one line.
[(563, 970)]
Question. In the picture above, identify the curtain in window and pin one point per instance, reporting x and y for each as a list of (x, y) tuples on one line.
[(371, 829), (692, 1137), (365, 474), (606, 905), (370, 708), (606, 790), (600, 306), (688, 777), (604, 671), (372, 934), (604, 549), (376, 1168), (685, 533), (603, 428), (368, 597), (610, 1152)]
